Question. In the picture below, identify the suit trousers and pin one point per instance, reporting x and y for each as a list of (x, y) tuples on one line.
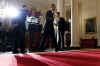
[(61, 39), (19, 40), (48, 34)]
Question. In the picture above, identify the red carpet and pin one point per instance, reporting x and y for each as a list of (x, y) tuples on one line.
[(66, 58)]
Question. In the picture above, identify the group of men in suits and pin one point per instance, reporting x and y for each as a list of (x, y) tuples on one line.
[(50, 32)]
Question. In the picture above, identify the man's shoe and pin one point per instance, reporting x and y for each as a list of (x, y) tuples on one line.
[(23, 52), (41, 51), (15, 52), (59, 50), (56, 50)]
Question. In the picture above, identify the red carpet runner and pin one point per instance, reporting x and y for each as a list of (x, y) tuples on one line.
[(66, 58)]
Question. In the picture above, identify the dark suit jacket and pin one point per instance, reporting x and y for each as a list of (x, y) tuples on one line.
[(61, 24), (20, 20), (49, 21)]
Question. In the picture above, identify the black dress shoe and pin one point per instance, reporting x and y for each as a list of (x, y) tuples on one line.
[(15, 52), (56, 50), (59, 50), (41, 51), (23, 52)]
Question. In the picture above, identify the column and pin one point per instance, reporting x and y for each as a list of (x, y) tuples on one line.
[(75, 29), (98, 21), (60, 7)]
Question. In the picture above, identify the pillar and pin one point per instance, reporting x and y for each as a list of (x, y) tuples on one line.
[(75, 24), (98, 21)]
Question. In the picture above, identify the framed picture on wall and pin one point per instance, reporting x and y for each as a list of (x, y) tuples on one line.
[(91, 26)]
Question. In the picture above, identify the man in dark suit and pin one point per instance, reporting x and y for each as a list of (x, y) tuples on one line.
[(61, 30), (49, 29), (19, 31)]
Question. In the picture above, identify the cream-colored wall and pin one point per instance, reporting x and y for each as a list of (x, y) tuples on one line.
[(88, 10)]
